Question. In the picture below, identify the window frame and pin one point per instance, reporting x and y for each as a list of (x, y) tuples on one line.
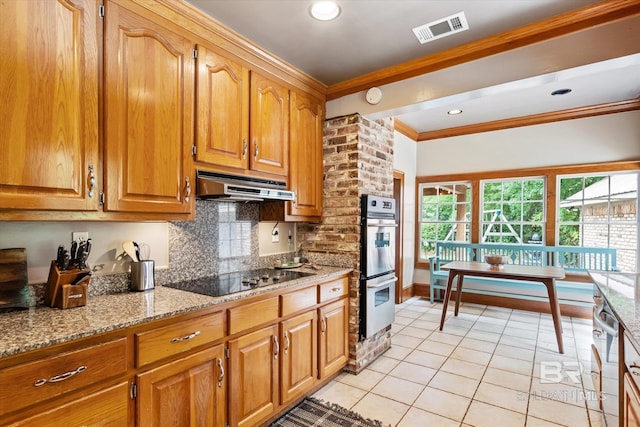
[(586, 227), (551, 174), (520, 223), (420, 204)]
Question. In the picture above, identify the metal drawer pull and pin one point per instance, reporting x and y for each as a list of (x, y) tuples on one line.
[(245, 147), (221, 368), (277, 347), (188, 185), (324, 326), (335, 289), (61, 377), (634, 369), (186, 337), (92, 181), (286, 343), (611, 330)]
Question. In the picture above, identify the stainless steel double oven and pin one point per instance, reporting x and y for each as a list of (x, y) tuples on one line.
[(377, 264)]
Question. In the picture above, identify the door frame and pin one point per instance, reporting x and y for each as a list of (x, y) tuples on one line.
[(398, 195)]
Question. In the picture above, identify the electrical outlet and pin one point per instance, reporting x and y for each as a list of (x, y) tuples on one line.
[(79, 236), (275, 236)]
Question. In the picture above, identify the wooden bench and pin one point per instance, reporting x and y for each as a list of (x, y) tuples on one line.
[(575, 289)]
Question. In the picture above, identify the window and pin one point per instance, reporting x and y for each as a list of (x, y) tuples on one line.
[(445, 214), (513, 211), (600, 211)]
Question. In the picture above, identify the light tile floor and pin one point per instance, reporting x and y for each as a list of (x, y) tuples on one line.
[(484, 369)]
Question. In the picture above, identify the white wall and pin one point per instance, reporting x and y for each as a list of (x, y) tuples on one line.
[(266, 244), (608, 138), (404, 160), (597, 139), (41, 239)]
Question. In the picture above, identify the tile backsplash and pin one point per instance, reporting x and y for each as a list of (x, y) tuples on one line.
[(223, 238)]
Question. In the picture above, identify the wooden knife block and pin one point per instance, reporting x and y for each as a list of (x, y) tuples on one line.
[(61, 293)]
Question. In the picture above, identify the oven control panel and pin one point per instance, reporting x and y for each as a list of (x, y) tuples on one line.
[(378, 206)]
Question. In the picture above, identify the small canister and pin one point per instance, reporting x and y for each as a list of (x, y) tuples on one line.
[(142, 275)]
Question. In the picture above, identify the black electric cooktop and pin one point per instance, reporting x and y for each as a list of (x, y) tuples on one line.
[(231, 283)]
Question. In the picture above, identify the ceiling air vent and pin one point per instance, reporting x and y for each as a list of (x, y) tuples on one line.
[(441, 28)]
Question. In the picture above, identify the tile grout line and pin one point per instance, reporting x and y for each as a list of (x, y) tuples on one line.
[(539, 346)]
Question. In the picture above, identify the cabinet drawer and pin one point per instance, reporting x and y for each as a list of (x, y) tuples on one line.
[(170, 340), (334, 289), (29, 383), (298, 300), (108, 407), (249, 315), (632, 360)]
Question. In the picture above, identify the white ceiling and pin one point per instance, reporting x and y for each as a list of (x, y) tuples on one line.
[(370, 35)]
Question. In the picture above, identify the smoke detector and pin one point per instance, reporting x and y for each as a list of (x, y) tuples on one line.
[(441, 28)]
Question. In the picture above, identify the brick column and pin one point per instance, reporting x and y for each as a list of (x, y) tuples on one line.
[(358, 159)]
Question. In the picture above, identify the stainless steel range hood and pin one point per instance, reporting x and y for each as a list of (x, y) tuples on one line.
[(223, 187)]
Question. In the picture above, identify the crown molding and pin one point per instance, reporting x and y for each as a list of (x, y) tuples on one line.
[(535, 119), (577, 20)]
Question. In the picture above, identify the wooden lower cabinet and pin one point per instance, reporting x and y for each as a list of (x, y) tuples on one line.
[(253, 376), (631, 403), (299, 362), (255, 359), (187, 392), (334, 339), (105, 408), (268, 371)]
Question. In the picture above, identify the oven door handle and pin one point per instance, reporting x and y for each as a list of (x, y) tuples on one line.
[(598, 321), (381, 223), (386, 282)]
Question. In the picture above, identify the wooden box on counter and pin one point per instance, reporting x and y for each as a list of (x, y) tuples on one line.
[(61, 293)]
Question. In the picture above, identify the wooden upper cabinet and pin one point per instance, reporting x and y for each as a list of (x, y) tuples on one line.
[(222, 134), (149, 102), (49, 111), (305, 167), (269, 147)]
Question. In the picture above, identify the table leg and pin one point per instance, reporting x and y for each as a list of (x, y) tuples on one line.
[(458, 293), (447, 295), (555, 311)]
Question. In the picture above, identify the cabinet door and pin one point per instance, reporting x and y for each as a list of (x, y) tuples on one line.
[(253, 376), (631, 403), (299, 364), (109, 407), (149, 85), (222, 133), (187, 392), (305, 166), (269, 126), (334, 339), (49, 86)]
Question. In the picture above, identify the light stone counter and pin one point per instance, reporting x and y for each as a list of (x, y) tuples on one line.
[(40, 327)]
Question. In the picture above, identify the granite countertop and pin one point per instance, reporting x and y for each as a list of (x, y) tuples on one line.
[(622, 292), (43, 326)]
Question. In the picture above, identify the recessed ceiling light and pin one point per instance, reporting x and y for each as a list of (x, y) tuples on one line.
[(560, 92), (454, 112), (324, 10)]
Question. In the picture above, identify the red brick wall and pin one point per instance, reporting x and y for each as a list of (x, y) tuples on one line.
[(358, 159)]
